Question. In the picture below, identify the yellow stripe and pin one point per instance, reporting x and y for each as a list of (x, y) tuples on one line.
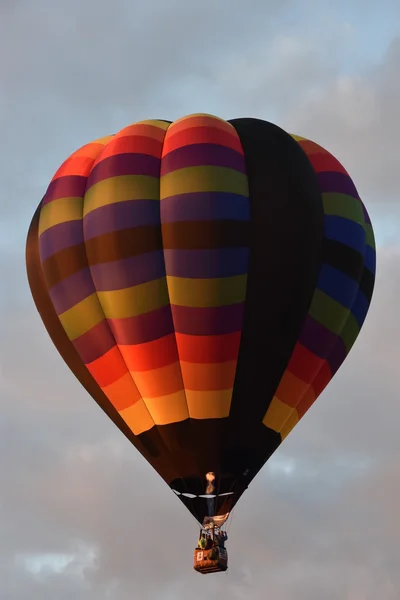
[(290, 424), (156, 129), (168, 409), (277, 414), (203, 179), (214, 404), (136, 300), (60, 211), (121, 189), (103, 140), (82, 317), (207, 292), (155, 123), (137, 417), (204, 115)]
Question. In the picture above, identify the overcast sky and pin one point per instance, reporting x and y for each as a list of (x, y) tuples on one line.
[(82, 516)]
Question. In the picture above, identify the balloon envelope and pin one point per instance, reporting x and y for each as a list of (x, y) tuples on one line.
[(204, 280)]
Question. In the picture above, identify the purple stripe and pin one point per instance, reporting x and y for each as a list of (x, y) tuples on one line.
[(337, 356), (220, 262), (94, 343), (143, 328), (334, 182), (71, 290), (208, 321), (134, 330), (125, 164), (317, 338), (127, 272), (202, 155), (121, 215), (205, 206), (63, 187), (59, 237)]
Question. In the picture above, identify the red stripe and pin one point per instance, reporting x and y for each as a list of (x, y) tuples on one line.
[(304, 364), (201, 135), (208, 349), (151, 355), (131, 144), (326, 162), (322, 379)]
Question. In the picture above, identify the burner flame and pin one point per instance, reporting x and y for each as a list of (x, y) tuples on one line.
[(210, 478)]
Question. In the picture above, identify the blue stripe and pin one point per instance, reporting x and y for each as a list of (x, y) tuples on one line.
[(221, 262), (347, 232), (205, 206), (337, 285), (360, 308), (370, 259), (121, 215), (127, 272)]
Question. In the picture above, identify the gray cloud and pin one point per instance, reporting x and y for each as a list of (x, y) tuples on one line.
[(81, 513), (358, 117)]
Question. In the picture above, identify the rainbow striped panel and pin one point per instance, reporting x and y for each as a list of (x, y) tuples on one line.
[(144, 250), (204, 209), (341, 298)]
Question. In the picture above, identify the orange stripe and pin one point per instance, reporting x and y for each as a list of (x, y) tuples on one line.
[(159, 382), (320, 159), (200, 121), (208, 377), (76, 165), (151, 355), (108, 368), (142, 129), (91, 150), (306, 402), (291, 389), (311, 147), (208, 348), (130, 144), (201, 135), (123, 393), (325, 162)]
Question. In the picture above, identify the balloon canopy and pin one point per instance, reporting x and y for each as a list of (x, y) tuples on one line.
[(204, 280)]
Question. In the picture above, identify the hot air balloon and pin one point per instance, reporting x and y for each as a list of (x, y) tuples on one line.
[(204, 280)]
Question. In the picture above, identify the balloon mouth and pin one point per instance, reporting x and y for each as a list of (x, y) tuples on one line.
[(211, 520), (188, 495)]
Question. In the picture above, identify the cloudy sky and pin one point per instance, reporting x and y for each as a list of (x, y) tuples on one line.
[(82, 516)]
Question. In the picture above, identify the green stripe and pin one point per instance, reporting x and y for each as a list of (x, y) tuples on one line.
[(330, 313), (203, 178), (343, 205), (335, 317), (370, 238), (350, 332)]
